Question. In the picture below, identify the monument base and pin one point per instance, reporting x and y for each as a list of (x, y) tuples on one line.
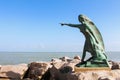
[(83, 69), (93, 64)]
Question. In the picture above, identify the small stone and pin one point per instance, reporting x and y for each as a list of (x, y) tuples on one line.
[(66, 59), (77, 57), (54, 60), (114, 65)]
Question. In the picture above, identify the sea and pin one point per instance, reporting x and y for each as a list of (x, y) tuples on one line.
[(12, 58)]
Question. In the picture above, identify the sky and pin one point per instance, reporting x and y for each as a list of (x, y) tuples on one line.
[(34, 25)]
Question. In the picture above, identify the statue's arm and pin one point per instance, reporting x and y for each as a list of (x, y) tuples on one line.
[(71, 25)]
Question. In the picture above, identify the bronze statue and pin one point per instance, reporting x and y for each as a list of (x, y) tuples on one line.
[(93, 43)]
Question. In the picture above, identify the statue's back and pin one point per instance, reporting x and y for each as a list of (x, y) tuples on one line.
[(97, 34)]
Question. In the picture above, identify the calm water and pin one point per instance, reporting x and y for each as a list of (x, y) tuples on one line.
[(27, 57)]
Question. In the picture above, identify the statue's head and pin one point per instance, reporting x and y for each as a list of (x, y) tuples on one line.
[(83, 18)]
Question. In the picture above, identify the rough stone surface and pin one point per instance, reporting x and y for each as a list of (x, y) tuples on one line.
[(77, 57), (90, 75), (114, 65), (65, 71), (13, 71), (57, 69), (106, 78), (55, 60), (66, 59), (36, 70)]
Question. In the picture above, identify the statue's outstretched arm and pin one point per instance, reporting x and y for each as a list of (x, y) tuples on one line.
[(71, 25)]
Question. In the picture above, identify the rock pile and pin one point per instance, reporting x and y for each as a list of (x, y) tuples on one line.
[(57, 69)]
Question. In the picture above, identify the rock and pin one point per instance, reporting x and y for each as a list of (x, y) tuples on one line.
[(106, 78), (65, 64), (13, 71), (114, 65), (90, 75), (65, 71), (66, 59), (77, 57), (57, 69), (55, 60), (61, 70), (118, 78), (37, 69)]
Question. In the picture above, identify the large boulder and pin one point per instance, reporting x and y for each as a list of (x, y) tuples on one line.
[(62, 70), (13, 71), (36, 70)]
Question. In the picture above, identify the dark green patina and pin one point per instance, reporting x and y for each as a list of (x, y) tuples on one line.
[(93, 44)]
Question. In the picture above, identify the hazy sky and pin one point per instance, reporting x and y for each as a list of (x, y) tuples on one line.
[(33, 25)]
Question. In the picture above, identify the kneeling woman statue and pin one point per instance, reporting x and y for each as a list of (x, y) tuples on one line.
[(93, 44)]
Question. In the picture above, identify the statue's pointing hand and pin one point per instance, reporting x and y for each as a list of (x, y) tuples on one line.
[(62, 24)]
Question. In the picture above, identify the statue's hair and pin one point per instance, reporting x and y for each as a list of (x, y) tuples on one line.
[(86, 19)]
